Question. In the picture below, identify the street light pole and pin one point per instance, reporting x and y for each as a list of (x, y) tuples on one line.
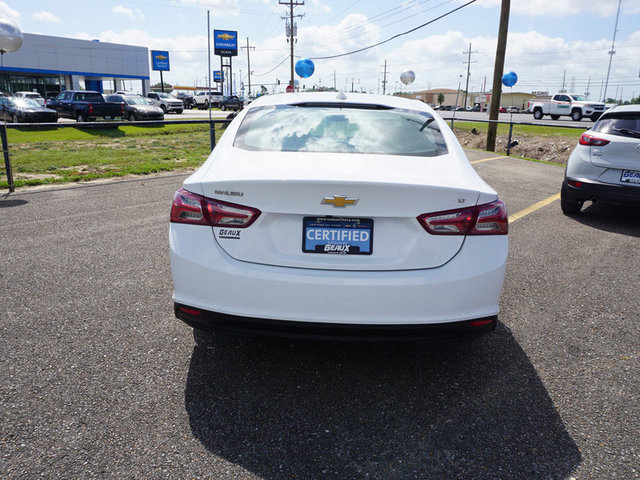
[(612, 51)]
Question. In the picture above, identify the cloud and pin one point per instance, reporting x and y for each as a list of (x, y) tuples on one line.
[(9, 13), (47, 17), (564, 8), (541, 62), (320, 6), (132, 14), (218, 8)]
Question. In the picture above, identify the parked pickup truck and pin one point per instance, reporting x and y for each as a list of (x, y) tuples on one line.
[(231, 103), (85, 105), (569, 104)]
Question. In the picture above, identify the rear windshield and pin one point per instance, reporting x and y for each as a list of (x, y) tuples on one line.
[(344, 129), (89, 97), (623, 124)]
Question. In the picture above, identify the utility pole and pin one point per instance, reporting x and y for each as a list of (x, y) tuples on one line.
[(292, 29), (248, 64), (384, 79), (353, 80), (612, 51), (498, 70), (466, 89)]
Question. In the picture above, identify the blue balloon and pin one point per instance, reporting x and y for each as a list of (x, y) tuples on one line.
[(305, 68), (509, 79)]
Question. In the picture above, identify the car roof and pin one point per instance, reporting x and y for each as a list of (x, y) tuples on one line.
[(623, 109), (341, 97)]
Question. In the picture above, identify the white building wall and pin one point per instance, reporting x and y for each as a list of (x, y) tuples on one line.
[(57, 55)]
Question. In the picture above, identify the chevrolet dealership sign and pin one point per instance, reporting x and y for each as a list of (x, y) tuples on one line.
[(160, 60), (225, 43)]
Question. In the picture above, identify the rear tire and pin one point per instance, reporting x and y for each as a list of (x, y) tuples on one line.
[(537, 113), (132, 117), (15, 119), (164, 109), (223, 108), (576, 115), (80, 118)]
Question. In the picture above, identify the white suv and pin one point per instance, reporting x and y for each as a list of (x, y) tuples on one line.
[(166, 102), (605, 165), (205, 99)]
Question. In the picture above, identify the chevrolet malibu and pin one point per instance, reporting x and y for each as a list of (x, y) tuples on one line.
[(338, 216)]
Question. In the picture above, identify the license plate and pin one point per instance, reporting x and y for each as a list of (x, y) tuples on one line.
[(630, 176), (342, 236)]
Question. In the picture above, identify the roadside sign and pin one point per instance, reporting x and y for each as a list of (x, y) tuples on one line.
[(217, 76), (289, 88), (225, 43), (160, 60)]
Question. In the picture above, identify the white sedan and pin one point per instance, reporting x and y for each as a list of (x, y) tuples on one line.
[(328, 215)]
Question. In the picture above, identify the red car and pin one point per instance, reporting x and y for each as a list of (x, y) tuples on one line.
[(503, 110)]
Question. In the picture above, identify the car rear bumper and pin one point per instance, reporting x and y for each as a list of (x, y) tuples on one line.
[(466, 288), (220, 322), (595, 191), (38, 117)]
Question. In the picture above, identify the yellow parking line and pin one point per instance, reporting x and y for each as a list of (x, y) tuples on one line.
[(487, 159), (536, 206)]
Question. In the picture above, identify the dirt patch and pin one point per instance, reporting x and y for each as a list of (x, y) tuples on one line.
[(35, 176), (556, 150)]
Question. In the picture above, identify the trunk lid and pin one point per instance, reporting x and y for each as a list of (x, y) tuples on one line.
[(390, 191)]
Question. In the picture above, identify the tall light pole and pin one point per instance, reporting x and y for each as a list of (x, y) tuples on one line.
[(248, 64), (612, 51), (466, 88)]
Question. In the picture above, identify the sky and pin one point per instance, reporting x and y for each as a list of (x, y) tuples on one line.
[(551, 43)]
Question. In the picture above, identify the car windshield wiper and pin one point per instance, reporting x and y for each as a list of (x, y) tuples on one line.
[(424, 124), (626, 131)]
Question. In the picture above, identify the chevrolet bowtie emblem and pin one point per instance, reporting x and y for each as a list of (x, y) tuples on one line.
[(339, 200)]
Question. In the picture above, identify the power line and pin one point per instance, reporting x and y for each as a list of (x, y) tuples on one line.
[(398, 35)]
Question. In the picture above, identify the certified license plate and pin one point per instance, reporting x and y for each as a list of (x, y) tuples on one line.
[(346, 236), (630, 176)]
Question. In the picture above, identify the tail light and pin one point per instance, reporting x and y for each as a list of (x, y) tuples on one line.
[(591, 141), (488, 219), (198, 210)]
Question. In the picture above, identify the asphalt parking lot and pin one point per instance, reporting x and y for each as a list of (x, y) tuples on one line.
[(99, 380)]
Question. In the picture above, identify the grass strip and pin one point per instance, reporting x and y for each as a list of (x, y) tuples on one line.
[(74, 154)]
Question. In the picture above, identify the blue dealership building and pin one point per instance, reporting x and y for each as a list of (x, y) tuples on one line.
[(49, 65)]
